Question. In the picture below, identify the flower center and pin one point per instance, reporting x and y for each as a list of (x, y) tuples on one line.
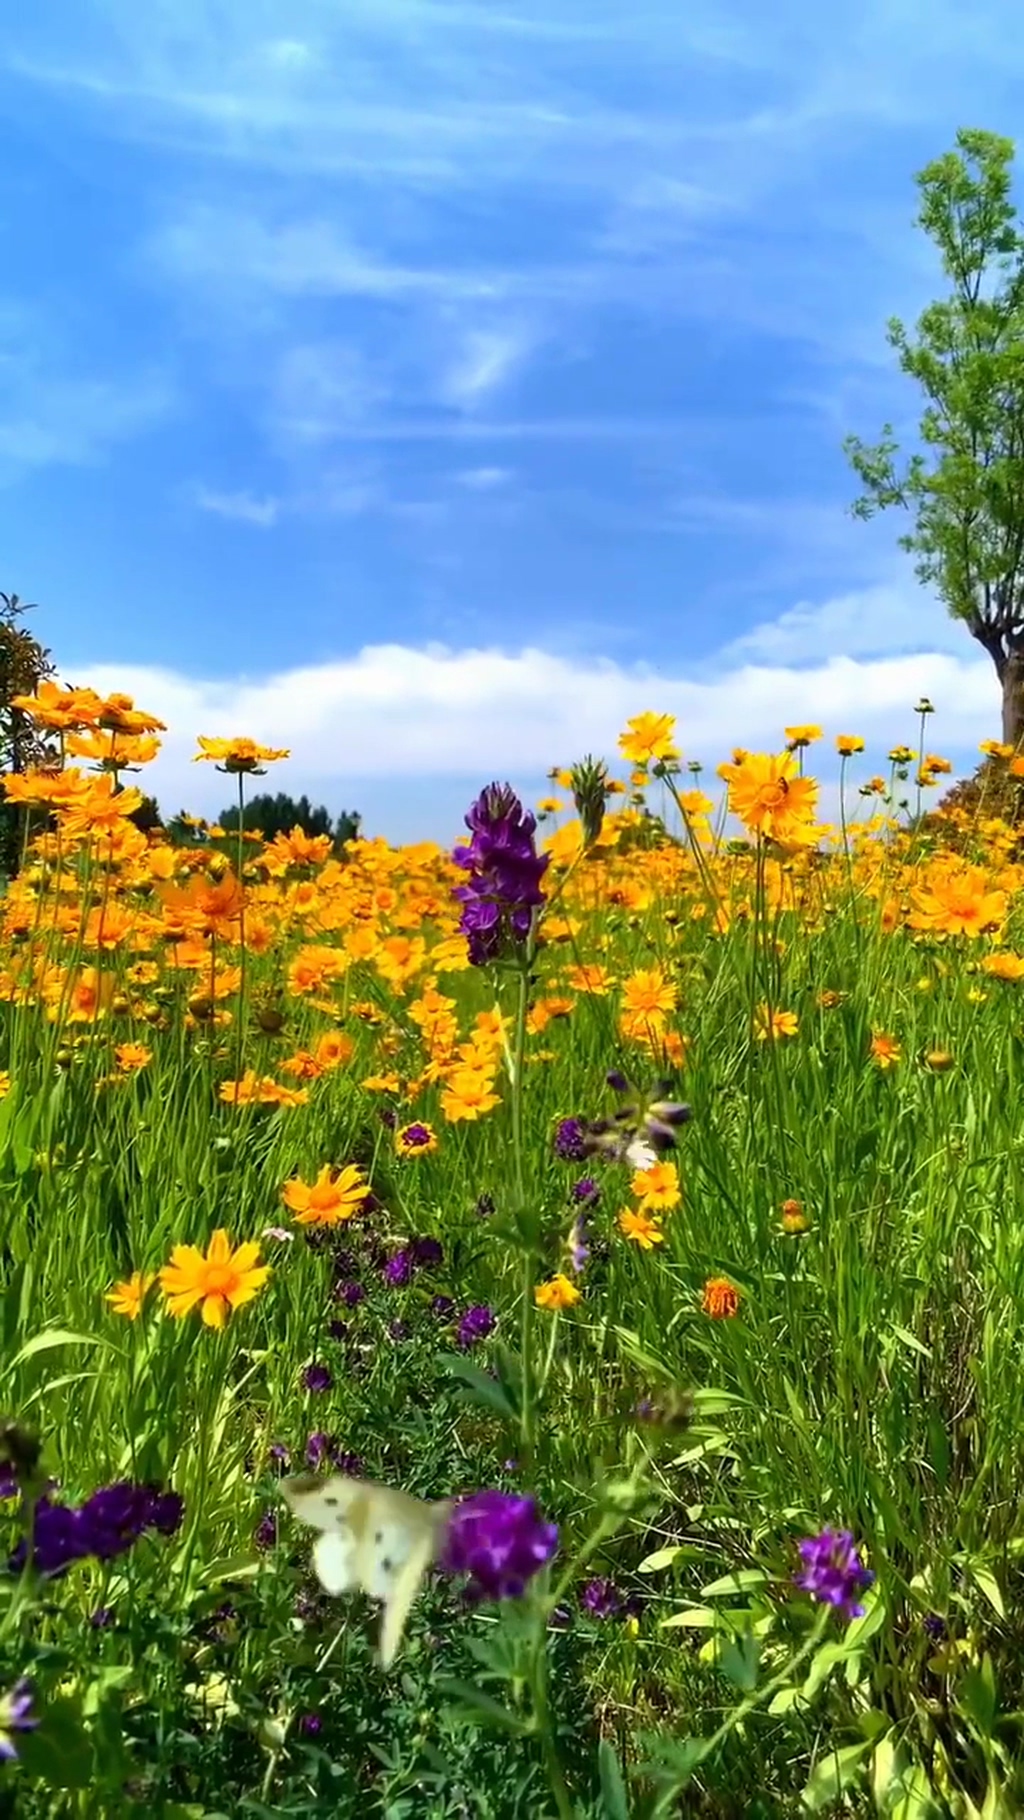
[(220, 1278)]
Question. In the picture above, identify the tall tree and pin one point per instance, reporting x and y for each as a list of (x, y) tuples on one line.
[(965, 487), (24, 664)]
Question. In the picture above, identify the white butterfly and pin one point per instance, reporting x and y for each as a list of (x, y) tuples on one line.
[(372, 1538)]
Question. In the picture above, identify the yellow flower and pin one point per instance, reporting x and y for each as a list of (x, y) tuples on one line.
[(657, 1186), (335, 1196), (848, 743), (720, 1298), (793, 1217), (127, 1298), (770, 798), (214, 1281), (556, 1293), (261, 1089), (239, 755), (797, 737), (648, 994), (638, 1225), (885, 1050), (468, 1095), (648, 736), (1003, 965), (129, 1056), (5, 1083), (771, 1025)]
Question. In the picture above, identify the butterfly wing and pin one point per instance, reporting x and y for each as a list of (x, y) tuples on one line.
[(396, 1547), (399, 1600), (334, 1558)]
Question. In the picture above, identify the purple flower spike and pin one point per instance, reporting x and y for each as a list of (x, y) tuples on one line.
[(504, 870), (475, 1325), (833, 1572), (601, 1598), (317, 1377), (499, 1541), (569, 1144)]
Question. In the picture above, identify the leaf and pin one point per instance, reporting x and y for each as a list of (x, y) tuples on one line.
[(829, 1777), (747, 1580), (740, 1661), (614, 1799), (979, 1697), (697, 1617), (986, 1582), (476, 1707), (910, 1339), (481, 1388), (52, 1337), (60, 1753), (666, 1557)]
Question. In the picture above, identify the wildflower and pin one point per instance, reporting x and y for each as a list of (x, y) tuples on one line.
[(902, 755), (657, 1187), (219, 1280), (474, 1325), (720, 1298), (833, 1573), (586, 1190), (557, 1293), (107, 1525), (956, 901), (848, 743), (1003, 965), (829, 999), (799, 737), (351, 1293), (770, 798), (590, 794), (442, 1307), (399, 1268), (499, 1541), (793, 1217), (938, 1060), (649, 736), (263, 1090), (637, 1224), (237, 756), (885, 1050), (265, 1534), (648, 994), (504, 889), (131, 1056), (15, 1716), (415, 1140), (335, 1196), (317, 1378), (601, 1598), (428, 1253), (771, 1025), (468, 1095), (577, 1245), (127, 1298), (569, 1140)]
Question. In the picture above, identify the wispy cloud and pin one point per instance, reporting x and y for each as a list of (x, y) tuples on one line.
[(485, 363), (241, 506)]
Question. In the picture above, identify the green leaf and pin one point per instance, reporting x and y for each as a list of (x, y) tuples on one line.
[(747, 1580), (60, 1753), (666, 1557), (477, 1708), (493, 1393), (832, 1775), (614, 1799), (986, 1582), (740, 1661), (697, 1617), (910, 1339), (52, 1337), (979, 1696)]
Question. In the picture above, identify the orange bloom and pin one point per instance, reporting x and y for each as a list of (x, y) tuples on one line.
[(1004, 965), (793, 1217), (770, 798), (648, 736), (848, 743), (657, 1186), (335, 1196), (239, 755), (130, 1056), (798, 737), (636, 1224), (771, 1025), (215, 1281), (648, 994), (956, 900), (720, 1298), (468, 1095), (885, 1050), (262, 1090), (127, 1298), (556, 1293)]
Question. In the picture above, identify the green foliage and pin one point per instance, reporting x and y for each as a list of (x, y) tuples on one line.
[(965, 489), (271, 815), (24, 664)]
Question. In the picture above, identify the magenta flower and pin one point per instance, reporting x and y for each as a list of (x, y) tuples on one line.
[(833, 1572), (498, 1541)]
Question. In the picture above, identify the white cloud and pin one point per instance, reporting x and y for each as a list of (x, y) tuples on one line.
[(242, 506), (886, 618), (360, 727), (47, 420), (322, 390), (485, 362)]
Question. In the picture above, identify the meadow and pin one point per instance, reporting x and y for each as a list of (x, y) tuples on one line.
[(638, 1192)]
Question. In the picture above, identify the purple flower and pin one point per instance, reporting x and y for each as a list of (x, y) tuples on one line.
[(166, 1509), (935, 1626), (102, 1618), (318, 1447), (350, 1293), (351, 1464), (833, 1572), (265, 1533), (474, 1325), (617, 1081), (279, 1456), (388, 1117), (443, 1307), (317, 1377), (601, 1598), (499, 1541), (569, 1140), (504, 870), (586, 1190), (415, 1137), (579, 1250), (399, 1268), (15, 1716), (310, 1723), (428, 1253), (106, 1525), (337, 1330)]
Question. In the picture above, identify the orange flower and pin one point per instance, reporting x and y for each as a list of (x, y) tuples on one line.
[(770, 798), (638, 1225), (1003, 965), (720, 1298), (848, 743), (119, 712), (99, 808), (657, 1186), (938, 1060), (956, 900), (885, 1050), (798, 737), (468, 1095), (648, 736), (793, 1217), (648, 994), (130, 1056), (556, 1293), (335, 1196), (215, 1281), (127, 1298), (239, 755), (261, 1090), (771, 1025)]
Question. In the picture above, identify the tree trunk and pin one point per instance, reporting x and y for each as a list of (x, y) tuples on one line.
[(1012, 679)]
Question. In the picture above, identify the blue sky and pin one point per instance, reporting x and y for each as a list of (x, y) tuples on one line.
[(427, 384)]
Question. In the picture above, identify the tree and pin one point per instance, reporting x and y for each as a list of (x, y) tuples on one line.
[(966, 489), (271, 815), (147, 817), (24, 664)]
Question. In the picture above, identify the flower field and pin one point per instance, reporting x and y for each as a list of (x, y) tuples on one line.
[(529, 1329)]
